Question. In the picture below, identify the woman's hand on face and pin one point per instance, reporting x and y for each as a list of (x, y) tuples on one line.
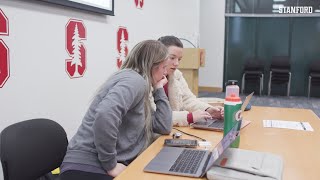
[(200, 115), (117, 170), (216, 112), (160, 83)]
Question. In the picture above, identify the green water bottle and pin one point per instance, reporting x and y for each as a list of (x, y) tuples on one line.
[(232, 114)]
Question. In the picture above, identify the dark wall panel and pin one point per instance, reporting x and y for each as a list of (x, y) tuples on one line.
[(273, 36), (240, 44), (305, 48), (264, 37)]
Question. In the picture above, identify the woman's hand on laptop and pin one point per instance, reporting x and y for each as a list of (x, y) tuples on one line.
[(199, 115), (216, 112)]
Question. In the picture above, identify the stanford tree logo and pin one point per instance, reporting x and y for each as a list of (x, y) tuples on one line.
[(122, 40), (75, 34)]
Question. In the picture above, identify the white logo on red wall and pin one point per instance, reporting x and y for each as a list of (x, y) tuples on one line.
[(4, 50), (139, 3), (75, 34), (122, 40)]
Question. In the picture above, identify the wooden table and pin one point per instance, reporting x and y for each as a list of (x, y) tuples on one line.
[(299, 149)]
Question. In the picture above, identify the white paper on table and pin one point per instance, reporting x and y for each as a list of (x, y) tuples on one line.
[(205, 144), (303, 126)]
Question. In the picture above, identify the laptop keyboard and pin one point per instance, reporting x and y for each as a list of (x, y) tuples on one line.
[(202, 123), (188, 161), (217, 124)]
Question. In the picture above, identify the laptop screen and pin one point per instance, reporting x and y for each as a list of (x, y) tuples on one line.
[(224, 144)]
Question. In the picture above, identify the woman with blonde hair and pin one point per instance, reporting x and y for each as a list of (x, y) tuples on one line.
[(120, 122)]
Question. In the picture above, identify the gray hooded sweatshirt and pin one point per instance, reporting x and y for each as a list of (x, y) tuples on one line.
[(113, 128)]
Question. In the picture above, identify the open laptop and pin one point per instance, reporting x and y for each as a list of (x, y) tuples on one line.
[(190, 162), (217, 125)]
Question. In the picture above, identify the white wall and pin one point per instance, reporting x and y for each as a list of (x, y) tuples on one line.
[(212, 23), (39, 86)]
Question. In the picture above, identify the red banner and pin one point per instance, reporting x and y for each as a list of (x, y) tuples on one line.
[(4, 50)]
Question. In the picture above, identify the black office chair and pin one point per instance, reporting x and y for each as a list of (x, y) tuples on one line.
[(253, 73), (280, 72), (314, 75), (31, 149)]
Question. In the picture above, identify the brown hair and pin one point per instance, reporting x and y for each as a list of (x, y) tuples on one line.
[(171, 41)]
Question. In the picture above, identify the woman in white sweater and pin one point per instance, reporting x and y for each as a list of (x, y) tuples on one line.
[(184, 104)]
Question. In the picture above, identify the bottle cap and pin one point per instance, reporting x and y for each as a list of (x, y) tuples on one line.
[(232, 82), (233, 98)]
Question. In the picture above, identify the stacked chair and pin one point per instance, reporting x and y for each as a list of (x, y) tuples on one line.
[(314, 75), (253, 73), (280, 72)]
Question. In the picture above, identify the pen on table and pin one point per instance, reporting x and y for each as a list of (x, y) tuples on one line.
[(303, 126)]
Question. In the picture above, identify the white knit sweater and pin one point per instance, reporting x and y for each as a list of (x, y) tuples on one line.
[(181, 99)]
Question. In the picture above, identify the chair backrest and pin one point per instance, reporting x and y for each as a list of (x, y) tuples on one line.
[(32, 148), (280, 62), (315, 66), (254, 63)]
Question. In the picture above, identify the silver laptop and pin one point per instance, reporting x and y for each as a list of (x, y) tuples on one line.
[(190, 162), (217, 125)]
